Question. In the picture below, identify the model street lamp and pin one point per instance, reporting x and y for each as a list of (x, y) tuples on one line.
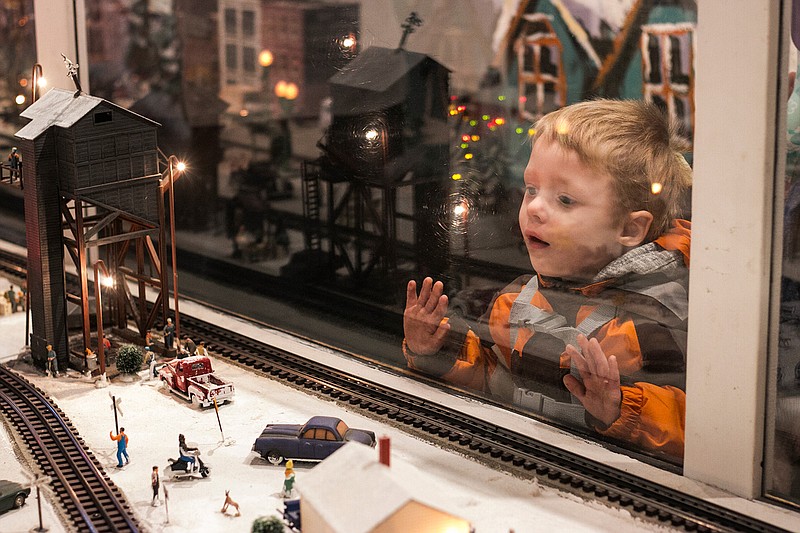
[(173, 171), (286, 92), (99, 282)]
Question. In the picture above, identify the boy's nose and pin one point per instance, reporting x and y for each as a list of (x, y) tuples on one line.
[(537, 209)]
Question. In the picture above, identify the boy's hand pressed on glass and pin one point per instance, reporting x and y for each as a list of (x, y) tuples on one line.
[(599, 393), (422, 319)]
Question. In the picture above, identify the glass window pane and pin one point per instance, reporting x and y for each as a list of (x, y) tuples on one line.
[(377, 148), (782, 478)]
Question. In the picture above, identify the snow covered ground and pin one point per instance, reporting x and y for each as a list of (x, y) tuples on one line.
[(493, 501)]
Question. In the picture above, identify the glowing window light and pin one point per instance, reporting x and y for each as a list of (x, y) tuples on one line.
[(656, 188)]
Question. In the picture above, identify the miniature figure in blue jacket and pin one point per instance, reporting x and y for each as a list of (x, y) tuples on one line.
[(52, 361), (122, 446), (169, 334)]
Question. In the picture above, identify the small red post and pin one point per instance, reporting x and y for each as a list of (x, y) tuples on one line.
[(383, 450)]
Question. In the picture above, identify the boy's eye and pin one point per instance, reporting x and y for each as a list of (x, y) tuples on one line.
[(566, 200), (530, 190)]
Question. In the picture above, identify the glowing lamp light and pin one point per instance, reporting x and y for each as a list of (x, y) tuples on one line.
[(523, 99), (485, 117), (499, 121), (473, 122), (286, 90), (656, 188), (531, 132), (518, 130), (468, 156), (349, 42), (502, 98), (23, 82), (475, 138), (461, 209), (464, 145), (20, 99), (106, 281), (42, 82), (280, 89), (180, 166), (265, 58), (465, 137), (371, 135), (456, 176), (243, 113)]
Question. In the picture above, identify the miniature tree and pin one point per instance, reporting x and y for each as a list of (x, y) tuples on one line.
[(129, 359), (267, 524)]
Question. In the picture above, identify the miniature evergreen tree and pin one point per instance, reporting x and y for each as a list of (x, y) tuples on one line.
[(267, 524), (129, 359)]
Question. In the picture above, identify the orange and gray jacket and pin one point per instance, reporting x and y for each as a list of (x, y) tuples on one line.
[(636, 307)]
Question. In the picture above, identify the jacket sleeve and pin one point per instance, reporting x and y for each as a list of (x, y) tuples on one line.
[(652, 418)]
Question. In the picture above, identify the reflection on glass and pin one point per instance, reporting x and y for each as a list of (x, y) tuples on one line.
[(782, 477), (339, 149)]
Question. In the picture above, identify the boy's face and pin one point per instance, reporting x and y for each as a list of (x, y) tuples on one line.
[(567, 215)]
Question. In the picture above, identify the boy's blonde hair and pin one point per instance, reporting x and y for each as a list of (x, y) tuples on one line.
[(633, 142)]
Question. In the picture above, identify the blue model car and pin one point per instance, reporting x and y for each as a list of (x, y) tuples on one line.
[(12, 495), (313, 441)]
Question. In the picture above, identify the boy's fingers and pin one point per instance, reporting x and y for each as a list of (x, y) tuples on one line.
[(411, 294), (433, 300), (424, 291), (575, 387)]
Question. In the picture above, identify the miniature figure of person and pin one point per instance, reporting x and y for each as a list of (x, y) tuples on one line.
[(288, 482), (20, 300), (169, 334), (201, 349), (229, 502), (122, 446), (15, 162), (11, 296), (189, 345), (151, 361), (185, 453), (155, 483), (603, 193), (52, 361)]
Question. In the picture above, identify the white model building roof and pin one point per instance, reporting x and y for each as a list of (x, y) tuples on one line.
[(59, 107), (352, 491)]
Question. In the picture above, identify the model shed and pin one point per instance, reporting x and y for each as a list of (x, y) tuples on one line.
[(351, 492)]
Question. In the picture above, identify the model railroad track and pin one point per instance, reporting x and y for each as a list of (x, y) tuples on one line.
[(88, 498), (490, 443)]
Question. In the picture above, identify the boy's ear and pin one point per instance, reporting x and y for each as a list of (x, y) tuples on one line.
[(635, 228)]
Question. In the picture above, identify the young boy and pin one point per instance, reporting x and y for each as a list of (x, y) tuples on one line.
[(597, 337)]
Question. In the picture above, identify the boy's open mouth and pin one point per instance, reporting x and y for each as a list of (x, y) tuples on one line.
[(537, 242)]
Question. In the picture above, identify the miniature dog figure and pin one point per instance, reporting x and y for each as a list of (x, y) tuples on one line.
[(229, 501)]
